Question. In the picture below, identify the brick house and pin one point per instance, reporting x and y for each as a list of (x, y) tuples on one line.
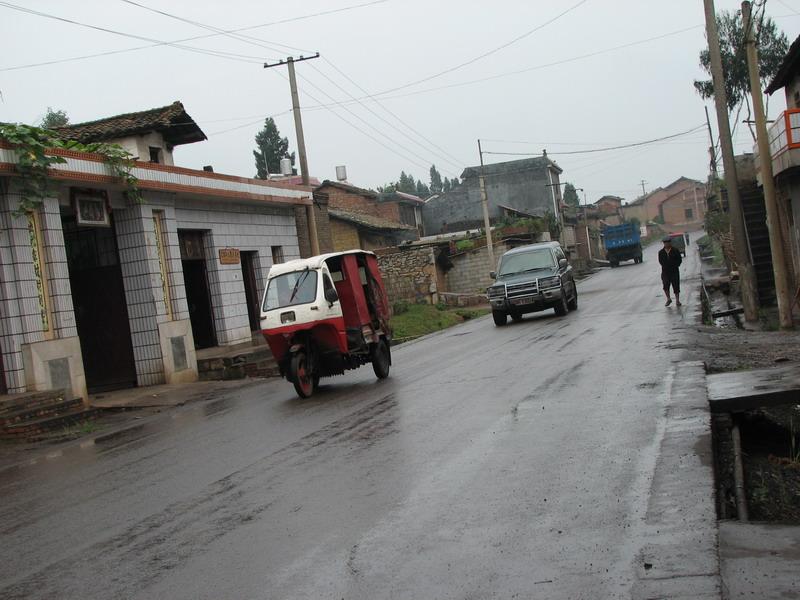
[(687, 206), (361, 218), (609, 205), (99, 292)]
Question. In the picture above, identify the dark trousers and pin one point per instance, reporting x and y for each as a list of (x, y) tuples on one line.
[(671, 279)]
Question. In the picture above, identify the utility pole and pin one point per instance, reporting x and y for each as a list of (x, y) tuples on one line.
[(586, 225), (746, 275), (644, 193), (711, 148), (767, 178), (301, 144), (712, 156), (486, 222)]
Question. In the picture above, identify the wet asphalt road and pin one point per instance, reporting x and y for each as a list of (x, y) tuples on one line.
[(509, 462)]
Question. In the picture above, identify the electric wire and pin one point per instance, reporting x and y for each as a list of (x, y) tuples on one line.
[(385, 108), (606, 149), (487, 53), (188, 39), (384, 120)]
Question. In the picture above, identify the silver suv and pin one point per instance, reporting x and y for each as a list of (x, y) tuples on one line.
[(530, 279)]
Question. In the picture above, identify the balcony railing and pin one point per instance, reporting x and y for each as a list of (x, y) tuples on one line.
[(784, 133)]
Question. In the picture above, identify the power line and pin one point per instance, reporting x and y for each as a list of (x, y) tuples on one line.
[(521, 71), (217, 53), (379, 103), (367, 123), (487, 53), (193, 38), (250, 124), (380, 117), (593, 150), (236, 36)]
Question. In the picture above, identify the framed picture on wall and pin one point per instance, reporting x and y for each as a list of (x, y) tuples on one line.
[(91, 208)]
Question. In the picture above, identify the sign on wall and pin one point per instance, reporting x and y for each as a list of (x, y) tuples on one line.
[(91, 208), (229, 256)]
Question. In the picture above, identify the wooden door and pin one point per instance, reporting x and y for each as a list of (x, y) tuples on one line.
[(101, 310), (251, 289)]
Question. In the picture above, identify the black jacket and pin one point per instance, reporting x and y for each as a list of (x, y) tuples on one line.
[(669, 262)]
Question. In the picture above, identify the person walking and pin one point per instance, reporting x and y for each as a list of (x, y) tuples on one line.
[(670, 260)]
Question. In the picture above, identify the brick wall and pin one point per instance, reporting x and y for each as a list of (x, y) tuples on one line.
[(410, 274), (470, 271), (344, 236), (324, 234), (359, 203)]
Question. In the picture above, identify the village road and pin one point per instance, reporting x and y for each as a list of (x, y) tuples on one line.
[(509, 462)]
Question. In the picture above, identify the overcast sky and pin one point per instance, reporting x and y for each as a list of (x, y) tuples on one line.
[(626, 95)]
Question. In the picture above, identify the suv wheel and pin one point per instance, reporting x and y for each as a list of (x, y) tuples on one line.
[(499, 317), (573, 304), (562, 308)]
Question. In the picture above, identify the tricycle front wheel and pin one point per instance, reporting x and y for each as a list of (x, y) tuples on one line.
[(305, 382)]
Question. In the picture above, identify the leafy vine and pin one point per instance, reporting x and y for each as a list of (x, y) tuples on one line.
[(35, 158)]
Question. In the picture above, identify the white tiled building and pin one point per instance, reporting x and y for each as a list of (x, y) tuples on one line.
[(126, 298)]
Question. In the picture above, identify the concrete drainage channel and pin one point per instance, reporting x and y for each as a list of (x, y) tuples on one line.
[(756, 439)]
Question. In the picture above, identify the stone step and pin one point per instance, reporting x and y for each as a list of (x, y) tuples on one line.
[(32, 413), (36, 429), (15, 402)]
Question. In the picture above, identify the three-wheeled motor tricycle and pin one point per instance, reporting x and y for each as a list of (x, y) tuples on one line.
[(326, 314)]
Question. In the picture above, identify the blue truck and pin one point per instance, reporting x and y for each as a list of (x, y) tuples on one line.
[(622, 242)]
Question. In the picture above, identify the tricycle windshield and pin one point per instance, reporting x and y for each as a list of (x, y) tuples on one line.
[(523, 262), (291, 289)]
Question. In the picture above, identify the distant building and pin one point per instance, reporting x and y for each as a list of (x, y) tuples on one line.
[(609, 205), (682, 204), (530, 186)]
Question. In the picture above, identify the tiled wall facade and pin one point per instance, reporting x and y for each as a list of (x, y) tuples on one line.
[(141, 273), (226, 224), (20, 318), (250, 229)]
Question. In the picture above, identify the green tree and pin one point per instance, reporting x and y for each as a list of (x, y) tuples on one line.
[(446, 185), (387, 189), (772, 48), (436, 180), (422, 190), (571, 195), (54, 118), (270, 149)]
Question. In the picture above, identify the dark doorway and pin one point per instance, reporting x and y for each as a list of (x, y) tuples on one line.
[(3, 388), (249, 262), (198, 297), (101, 310)]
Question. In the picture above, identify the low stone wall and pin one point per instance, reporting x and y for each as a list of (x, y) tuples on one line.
[(409, 274), (470, 272)]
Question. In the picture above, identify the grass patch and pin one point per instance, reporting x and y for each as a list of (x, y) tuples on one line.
[(421, 319)]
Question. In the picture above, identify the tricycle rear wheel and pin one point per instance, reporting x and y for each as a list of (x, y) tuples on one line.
[(381, 359), (305, 382)]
